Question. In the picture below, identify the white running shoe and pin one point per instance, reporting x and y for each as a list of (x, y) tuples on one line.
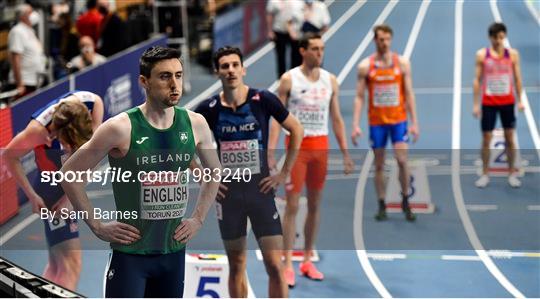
[(513, 180), (483, 181)]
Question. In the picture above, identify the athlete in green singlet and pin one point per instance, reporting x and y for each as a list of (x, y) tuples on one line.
[(149, 241)]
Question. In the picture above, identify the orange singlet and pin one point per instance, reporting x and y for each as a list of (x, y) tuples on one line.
[(386, 93)]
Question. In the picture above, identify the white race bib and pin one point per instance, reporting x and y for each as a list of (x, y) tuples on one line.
[(241, 154), (164, 197), (497, 85), (386, 95), (312, 117)]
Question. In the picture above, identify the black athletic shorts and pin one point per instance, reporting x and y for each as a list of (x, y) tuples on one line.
[(245, 200), (58, 230), (489, 117), (152, 275)]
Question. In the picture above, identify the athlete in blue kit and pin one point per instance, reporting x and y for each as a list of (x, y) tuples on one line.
[(54, 132), (239, 118)]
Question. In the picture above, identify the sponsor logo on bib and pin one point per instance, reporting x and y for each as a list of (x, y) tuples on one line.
[(241, 154)]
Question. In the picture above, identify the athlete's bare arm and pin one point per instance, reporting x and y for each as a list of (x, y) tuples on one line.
[(207, 153), (514, 55), (284, 90), (338, 125), (359, 99), (112, 137), (33, 135), (410, 98), (296, 131), (478, 72)]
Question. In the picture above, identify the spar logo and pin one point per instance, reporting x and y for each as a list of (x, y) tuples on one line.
[(239, 145)]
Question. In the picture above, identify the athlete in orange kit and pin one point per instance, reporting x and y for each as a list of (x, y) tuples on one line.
[(387, 76)]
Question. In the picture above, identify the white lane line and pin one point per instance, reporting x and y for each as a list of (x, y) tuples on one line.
[(467, 258), (386, 256), (535, 13), (456, 180), (416, 29), (260, 53), (507, 254), (360, 187), (497, 254), (456, 112), (533, 208), (251, 294), (527, 111), (358, 229), (481, 208), (17, 228)]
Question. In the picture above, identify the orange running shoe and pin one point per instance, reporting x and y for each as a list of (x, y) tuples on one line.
[(309, 270), (289, 275)]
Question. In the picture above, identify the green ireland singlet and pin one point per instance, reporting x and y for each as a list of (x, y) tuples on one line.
[(159, 198)]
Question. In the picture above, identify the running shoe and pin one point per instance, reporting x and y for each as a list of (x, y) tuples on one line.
[(407, 211), (381, 215), (513, 180), (483, 181), (289, 276), (309, 270)]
